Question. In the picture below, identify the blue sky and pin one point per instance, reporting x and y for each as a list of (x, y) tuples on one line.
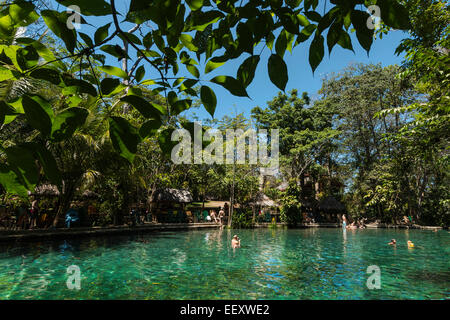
[(262, 90)]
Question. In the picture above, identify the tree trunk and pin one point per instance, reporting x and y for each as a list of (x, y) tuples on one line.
[(65, 200), (232, 194)]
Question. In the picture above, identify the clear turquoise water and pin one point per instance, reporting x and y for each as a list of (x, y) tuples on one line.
[(272, 264)]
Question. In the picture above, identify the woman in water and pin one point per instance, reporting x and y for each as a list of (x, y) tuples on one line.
[(344, 221), (235, 242)]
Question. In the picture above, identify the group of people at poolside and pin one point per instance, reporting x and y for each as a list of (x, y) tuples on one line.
[(217, 218), (353, 225)]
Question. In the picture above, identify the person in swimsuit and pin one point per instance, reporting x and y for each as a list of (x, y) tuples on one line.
[(235, 242), (344, 221)]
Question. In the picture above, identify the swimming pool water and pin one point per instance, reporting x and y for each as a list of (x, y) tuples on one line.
[(272, 264)]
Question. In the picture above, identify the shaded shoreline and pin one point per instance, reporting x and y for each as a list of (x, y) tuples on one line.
[(50, 234)]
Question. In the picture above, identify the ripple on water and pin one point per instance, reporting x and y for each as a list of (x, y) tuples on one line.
[(272, 264)]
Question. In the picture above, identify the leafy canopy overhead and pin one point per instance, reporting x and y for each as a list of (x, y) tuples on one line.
[(168, 35)]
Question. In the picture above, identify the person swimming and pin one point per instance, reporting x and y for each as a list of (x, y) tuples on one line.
[(393, 242), (410, 244), (235, 242)]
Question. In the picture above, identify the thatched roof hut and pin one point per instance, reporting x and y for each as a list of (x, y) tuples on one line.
[(331, 205), (88, 194), (45, 190), (171, 195)]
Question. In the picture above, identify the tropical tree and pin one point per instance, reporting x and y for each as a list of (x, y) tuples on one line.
[(174, 34)]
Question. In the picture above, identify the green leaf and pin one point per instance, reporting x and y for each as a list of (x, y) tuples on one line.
[(209, 99), (108, 85), (102, 33), (82, 86), (165, 141), (394, 14), (246, 71), (214, 63), (129, 37), (114, 71), (27, 57), (278, 72), (316, 51), (89, 7), (187, 41), (345, 41), (115, 51), (149, 128), (124, 137), (48, 163), (23, 13), (11, 181), (67, 122), (57, 22), (22, 161), (234, 86), (364, 34), (5, 74), (5, 110), (245, 37), (193, 70), (140, 73), (87, 40), (195, 4), (47, 74), (199, 20), (281, 43), (36, 114), (333, 36), (143, 106), (180, 106)]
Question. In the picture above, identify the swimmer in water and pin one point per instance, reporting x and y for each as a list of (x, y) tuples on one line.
[(410, 244), (236, 242), (393, 242)]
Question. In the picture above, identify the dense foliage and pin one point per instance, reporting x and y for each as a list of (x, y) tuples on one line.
[(71, 118)]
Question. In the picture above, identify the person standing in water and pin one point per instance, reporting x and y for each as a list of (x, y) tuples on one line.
[(344, 221), (235, 242)]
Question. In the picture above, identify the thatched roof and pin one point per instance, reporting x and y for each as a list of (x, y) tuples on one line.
[(330, 204), (264, 201), (171, 195), (88, 194), (45, 190)]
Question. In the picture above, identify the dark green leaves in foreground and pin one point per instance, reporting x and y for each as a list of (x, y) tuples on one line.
[(57, 22), (278, 72), (394, 14), (234, 86), (67, 122), (316, 51), (124, 137), (89, 7), (246, 71), (209, 99), (143, 106), (37, 112)]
